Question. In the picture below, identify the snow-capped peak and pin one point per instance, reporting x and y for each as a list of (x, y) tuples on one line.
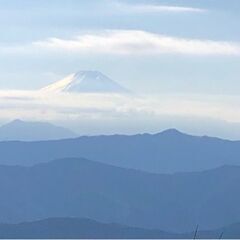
[(86, 82)]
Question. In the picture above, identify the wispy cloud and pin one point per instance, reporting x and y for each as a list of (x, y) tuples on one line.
[(34, 105), (155, 8), (139, 42)]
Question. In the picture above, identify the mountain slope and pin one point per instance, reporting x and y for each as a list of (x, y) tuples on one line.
[(33, 131), (229, 232), (169, 151), (73, 228), (86, 82), (83, 188), (80, 228)]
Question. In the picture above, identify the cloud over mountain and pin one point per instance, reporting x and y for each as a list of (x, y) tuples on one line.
[(138, 42), (96, 104), (52, 106)]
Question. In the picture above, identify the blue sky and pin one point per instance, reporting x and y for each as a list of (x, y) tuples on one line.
[(24, 22), (183, 47)]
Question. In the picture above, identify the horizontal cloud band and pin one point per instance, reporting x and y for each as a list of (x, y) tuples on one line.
[(154, 8), (35, 105), (139, 42)]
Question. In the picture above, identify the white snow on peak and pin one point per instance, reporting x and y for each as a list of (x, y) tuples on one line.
[(60, 85), (86, 82)]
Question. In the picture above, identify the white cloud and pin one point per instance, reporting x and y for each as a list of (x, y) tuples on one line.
[(154, 8), (35, 105), (139, 42)]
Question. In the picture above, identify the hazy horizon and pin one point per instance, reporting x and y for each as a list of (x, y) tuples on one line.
[(119, 119), (182, 68)]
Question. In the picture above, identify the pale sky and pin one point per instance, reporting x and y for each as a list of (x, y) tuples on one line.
[(188, 49)]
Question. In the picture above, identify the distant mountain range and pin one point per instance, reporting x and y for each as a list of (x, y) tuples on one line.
[(168, 151), (33, 131), (87, 189), (76, 228), (106, 188), (86, 82)]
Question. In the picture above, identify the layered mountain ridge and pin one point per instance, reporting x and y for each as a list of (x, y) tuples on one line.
[(165, 152), (19, 130), (81, 228), (82, 188)]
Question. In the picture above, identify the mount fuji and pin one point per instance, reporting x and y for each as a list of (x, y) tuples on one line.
[(86, 82)]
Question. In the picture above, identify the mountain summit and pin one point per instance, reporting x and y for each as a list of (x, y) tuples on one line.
[(86, 82), (33, 131)]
